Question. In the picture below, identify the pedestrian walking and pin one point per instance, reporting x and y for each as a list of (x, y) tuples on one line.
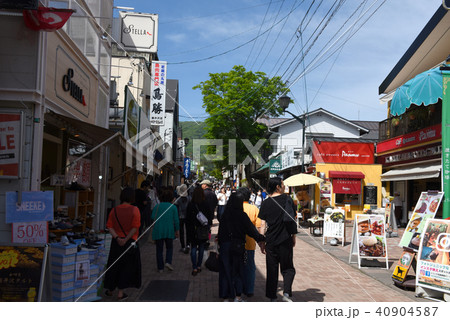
[(166, 228), (210, 204), (250, 245), (197, 232), (233, 228), (279, 242), (143, 202), (124, 270), (222, 201), (182, 203)]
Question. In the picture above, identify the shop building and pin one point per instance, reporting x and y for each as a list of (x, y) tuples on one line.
[(410, 147)]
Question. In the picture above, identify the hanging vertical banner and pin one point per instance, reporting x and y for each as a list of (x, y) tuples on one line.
[(425, 209), (446, 140), (187, 167), (433, 265), (158, 93)]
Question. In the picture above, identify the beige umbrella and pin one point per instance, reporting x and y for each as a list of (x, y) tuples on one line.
[(301, 179)]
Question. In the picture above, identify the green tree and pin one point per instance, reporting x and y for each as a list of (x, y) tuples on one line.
[(234, 101)]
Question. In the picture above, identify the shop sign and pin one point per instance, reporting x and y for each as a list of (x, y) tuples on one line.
[(412, 155), (369, 237), (72, 84), (34, 206), (334, 225), (343, 152), (411, 139), (30, 232), (131, 117), (158, 93), (10, 128), (20, 273), (187, 167), (274, 166), (425, 209), (139, 32), (79, 172), (433, 265)]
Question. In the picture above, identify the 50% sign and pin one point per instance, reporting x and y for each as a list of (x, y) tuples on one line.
[(30, 232)]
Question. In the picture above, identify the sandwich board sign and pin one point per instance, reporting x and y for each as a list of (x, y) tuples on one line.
[(369, 238), (425, 209), (334, 225)]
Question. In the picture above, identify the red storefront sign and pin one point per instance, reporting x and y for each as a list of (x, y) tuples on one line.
[(346, 181), (410, 139), (343, 152), (349, 186), (428, 152)]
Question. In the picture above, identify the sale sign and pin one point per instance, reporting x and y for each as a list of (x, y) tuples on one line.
[(30, 232), (10, 125)]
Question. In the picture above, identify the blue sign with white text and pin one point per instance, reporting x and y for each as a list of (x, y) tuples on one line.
[(187, 168), (35, 206)]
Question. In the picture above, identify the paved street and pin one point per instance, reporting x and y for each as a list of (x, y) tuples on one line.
[(323, 275)]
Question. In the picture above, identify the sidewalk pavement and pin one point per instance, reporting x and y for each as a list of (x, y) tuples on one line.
[(323, 274)]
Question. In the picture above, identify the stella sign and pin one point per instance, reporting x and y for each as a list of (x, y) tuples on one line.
[(139, 32)]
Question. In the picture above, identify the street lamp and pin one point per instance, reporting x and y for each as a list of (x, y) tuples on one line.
[(284, 101)]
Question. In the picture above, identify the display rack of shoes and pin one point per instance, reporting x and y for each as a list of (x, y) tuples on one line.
[(80, 205)]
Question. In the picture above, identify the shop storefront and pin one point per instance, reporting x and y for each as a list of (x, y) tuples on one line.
[(350, 174), (411, 165)]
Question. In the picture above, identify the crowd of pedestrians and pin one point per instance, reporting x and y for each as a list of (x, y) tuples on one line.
[(246, 218)]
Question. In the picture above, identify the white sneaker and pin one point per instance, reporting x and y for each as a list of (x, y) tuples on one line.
[(286, 298), (169, 266), (239, 300)]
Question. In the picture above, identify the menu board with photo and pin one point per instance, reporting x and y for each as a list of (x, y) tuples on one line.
[(425, 209), (433, 265), (334, 225), (371, 236), (325, 194)]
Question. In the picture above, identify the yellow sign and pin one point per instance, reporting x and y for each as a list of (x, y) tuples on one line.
[(8, 259), (400, 273)]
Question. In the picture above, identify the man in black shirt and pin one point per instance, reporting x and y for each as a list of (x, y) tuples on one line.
[(279, 242)]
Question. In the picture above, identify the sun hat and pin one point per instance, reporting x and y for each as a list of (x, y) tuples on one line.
[(206, 182), (182, 190)]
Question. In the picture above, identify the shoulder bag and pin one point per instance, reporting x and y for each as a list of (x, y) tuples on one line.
[(130, 243), (201, 217)]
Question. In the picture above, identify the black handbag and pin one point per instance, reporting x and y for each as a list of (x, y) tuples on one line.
[(212, 263)]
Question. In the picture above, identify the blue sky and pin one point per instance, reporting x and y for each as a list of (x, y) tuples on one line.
[(342, 78)]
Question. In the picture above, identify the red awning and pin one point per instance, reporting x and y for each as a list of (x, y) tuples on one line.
[(349, 186), (346, 174)]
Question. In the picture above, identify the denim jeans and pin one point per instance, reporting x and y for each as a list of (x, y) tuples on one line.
[(197, 260), (159, 252), (249, 273)]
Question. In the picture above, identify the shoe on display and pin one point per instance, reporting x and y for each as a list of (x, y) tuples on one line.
[(286, 298), (65, 241)]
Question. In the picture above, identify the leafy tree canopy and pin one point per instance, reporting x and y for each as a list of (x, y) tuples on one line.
[(234, 101)]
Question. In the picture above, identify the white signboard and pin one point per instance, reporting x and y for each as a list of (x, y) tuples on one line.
[(433, 265), (139, 32), (10, 144), (334, 225), (158, 93), (30, 232)]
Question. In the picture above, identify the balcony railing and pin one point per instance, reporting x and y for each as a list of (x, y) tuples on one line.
[(415, 118)]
